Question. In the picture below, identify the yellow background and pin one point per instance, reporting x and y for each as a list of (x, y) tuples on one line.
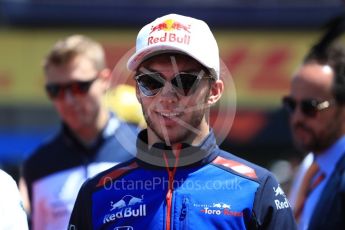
[(261, 62)]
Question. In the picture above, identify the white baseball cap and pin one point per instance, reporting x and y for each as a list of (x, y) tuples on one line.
[(180, 34)]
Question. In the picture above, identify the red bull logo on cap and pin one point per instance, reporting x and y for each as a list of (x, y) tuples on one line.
[(170, 26)]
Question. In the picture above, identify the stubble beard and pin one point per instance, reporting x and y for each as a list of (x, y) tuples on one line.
[(319, 143), (186, 134), (183, 136)]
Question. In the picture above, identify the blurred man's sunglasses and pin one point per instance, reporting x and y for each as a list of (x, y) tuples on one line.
[(309, 107), (185, 84), (76, 88)]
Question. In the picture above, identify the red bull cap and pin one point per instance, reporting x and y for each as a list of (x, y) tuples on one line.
[(177, 33)]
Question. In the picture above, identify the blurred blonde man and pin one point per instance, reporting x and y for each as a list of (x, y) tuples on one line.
[(91, 138)]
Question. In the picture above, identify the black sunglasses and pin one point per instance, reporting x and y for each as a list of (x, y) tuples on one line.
[(184, 83), (77, 88), (309, 107)]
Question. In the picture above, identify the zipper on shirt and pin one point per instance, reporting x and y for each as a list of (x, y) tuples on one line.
[(171, 175), (169, 198)]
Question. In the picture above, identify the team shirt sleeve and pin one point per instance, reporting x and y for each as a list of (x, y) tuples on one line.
[(81, 215), (271, 207)]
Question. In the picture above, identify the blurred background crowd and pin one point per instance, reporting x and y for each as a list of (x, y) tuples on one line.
[(261, 43)]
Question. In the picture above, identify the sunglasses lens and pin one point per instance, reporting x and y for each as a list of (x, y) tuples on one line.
[(149, 84), (76, 88), (309, 107), (185, 83), (53, 90), (80, 87), (289, 104)]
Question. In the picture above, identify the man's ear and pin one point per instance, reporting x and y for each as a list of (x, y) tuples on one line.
[(105, 74), (216, 92)]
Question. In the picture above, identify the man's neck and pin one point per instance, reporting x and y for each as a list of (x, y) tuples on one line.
[(88, 134), (193, 140)]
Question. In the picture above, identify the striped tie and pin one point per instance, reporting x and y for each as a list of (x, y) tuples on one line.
[(312, 178)]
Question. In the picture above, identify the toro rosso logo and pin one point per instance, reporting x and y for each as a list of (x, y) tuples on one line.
[(127, 206), (221, 205), (169, 25), (220, 208)]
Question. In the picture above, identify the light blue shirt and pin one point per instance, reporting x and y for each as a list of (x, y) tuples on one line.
[(327, 162)]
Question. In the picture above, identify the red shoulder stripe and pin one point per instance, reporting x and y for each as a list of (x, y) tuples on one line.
[(116, 173), (236, 166)]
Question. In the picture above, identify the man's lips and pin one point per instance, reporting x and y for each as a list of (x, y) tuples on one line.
[(169, 118), (301, 128), (170, 114), (301, 132)]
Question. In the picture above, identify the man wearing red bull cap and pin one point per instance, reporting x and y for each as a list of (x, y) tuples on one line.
[(180, 179)]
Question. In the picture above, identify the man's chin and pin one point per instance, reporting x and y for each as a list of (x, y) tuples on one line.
[(304, 147), (77, 125), (170, 137)]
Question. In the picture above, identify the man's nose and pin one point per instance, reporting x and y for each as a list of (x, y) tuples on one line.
[(69, 96), (297, 115), (168, 90)]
